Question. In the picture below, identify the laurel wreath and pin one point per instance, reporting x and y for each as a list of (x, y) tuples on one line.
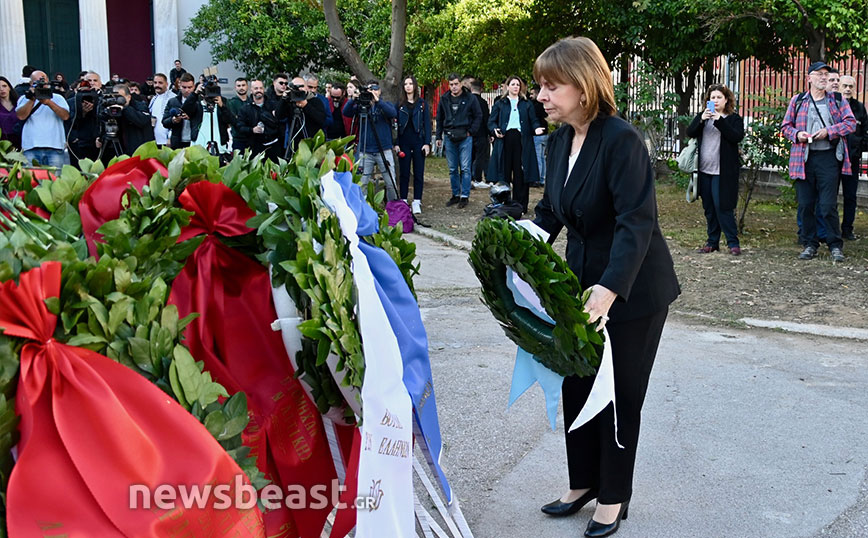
[(570, 347)]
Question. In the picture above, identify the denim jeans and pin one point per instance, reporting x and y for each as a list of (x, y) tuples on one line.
[(47, 157), (716, 218), (458, 157), (539, 143)]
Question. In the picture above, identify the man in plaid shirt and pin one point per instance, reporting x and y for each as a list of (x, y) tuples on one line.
[(818, 125)]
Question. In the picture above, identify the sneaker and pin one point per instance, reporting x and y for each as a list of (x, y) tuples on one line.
[(462, 203), (480, 185), (706, 249), (452, 201), (735, 251), (809, 253), (837, 254), (417, 207), (849, 236)]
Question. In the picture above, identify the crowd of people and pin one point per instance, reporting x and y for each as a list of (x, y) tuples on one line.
[(505, 143)]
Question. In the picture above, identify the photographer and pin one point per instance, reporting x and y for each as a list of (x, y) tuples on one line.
[(216, 118), (43, 113), (183, 115), (341, 125), (311, 112), (134, 120), (375, 134), (83, 126), (257, 125)]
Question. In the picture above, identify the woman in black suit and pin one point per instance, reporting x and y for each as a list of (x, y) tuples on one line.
[(600, 187), (718, 133), (513, 123)]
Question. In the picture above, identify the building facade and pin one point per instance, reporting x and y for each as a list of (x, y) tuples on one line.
[(131, 38)]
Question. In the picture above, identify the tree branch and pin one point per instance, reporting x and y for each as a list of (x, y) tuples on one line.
[(339, 40)]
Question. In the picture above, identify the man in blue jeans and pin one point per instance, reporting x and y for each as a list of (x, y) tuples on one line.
[(42, 138), (458, 117)]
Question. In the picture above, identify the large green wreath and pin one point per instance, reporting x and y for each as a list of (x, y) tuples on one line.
[(570, 347)]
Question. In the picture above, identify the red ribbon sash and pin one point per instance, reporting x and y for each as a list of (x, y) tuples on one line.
[(91, 428)]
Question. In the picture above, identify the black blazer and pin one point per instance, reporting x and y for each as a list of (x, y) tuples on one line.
[(610, 211), (731, 133)]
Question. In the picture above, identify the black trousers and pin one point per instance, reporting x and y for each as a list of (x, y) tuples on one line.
[(512, 171), (849, 186), (593, 458), (480, 156), (819, 190)]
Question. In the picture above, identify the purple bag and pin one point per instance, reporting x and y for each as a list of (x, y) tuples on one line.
[(399, 211)]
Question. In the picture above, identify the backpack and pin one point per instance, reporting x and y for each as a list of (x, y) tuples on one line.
[(399, 211)]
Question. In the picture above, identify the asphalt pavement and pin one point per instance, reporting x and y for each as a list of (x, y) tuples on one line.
[(746, 431)]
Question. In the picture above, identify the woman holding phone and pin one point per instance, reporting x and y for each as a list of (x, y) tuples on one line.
[(718, 130)]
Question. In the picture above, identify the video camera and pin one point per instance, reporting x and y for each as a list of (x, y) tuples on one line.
[(43, 90), (296, 93), (211, 89), (366, 96), (111, 103)]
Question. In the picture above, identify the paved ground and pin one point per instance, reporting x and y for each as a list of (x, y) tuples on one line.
[(747, 432)]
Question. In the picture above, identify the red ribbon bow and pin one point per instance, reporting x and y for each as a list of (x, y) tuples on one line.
[(92, 429)]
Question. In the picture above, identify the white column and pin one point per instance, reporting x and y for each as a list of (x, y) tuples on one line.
[(166, 35), (94, 37), (13, 45)]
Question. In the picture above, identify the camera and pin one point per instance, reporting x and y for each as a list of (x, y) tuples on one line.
[(43, 90), (296, 93), (366, 96), (211, 90)]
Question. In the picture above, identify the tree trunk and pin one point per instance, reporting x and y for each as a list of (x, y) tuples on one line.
[(685, 94), (395, 64)]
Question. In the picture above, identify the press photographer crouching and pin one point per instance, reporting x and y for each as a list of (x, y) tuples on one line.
[(257, 124), (126, 122), (83, 126), (374, 118), (43, 112)]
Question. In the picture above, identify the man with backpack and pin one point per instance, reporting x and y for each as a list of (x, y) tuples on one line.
[(458, 117), (818, 125)]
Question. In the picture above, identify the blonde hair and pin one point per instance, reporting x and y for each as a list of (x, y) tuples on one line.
[(577, 61)]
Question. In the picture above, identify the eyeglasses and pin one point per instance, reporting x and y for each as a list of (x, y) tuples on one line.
[(282, 82)]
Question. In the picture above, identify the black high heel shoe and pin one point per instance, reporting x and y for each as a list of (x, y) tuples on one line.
[(560, 509), (598, 530)]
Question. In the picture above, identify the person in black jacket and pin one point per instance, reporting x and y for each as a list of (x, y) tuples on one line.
[(856, 141), (481, 140), (718, 131), (601, 189), (183, 115), (513, 123), (135, 121), (83, 129), (414, 140), (458, 117), (257, 123), (310, 113)]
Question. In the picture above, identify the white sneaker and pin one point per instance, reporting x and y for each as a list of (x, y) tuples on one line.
[(481, 184), (417, 207)]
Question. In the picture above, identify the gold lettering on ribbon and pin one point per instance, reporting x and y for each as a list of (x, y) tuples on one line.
[(391, 421), (425, 394), (394, 447)]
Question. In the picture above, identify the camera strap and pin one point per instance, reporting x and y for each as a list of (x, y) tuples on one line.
[(32, 111)]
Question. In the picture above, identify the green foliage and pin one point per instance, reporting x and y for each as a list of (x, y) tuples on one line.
[(572, 346)]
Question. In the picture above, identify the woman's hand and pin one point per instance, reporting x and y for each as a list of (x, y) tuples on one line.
[(426, 150), (540, 130), (599, 303), (498, 133), (706, 114)]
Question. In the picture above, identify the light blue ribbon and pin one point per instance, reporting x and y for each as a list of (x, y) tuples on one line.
[(528, 370)]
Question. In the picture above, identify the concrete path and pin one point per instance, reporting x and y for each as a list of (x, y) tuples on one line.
[(746, 432)]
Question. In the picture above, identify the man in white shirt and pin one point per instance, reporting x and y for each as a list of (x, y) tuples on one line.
[(157, 106), (43, 139)]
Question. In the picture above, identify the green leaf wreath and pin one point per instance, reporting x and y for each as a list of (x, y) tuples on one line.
[(570, 347)]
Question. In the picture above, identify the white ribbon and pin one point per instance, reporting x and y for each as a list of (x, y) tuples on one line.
[(386, 456), (603, 389)]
